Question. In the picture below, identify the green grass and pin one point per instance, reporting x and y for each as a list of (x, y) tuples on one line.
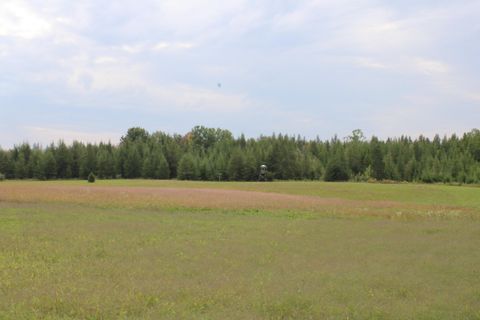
[(79, 261)]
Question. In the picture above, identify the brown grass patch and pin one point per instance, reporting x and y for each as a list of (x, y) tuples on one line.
[(168, 198)]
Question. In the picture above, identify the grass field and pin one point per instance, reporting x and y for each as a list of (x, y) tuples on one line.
[(201, 250)]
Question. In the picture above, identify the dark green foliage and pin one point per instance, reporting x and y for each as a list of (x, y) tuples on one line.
[(48, 165), (335, 172), (251, 168), (155, 165), (376, 158), (135, 135), (336, 169), (105, 162), (205, 138), (76, 151), (132, 166), (187, 168), (37, 165), (5, 162), (91, 177), (236, 166), (214, 154), (88, 160), (21, 168), (63, 159)]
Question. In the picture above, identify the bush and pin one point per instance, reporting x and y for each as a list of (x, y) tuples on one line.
[(2, 177), (336, 172), (91, 177)]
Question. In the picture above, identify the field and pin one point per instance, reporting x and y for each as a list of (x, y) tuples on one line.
[(203, 250)]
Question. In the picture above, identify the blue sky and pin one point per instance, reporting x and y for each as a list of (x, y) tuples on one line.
[(89, 70)]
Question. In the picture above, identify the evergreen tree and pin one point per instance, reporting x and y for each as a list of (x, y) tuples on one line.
[(187, 168), (76, 151), (105, 164), (63, 160), (88, 161), (251, 168), (49, 165), (20, 168), (4, 162), (236, 166), (91, 177), (37, 165), (213, 154), (133, 162), (391, 170), (162, 169), (378, 166)]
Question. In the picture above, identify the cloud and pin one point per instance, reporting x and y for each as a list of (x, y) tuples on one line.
[(313, 56), (162, 46), (431, 67), (17, 19), (189, 98), (369, 63), (124, 79)]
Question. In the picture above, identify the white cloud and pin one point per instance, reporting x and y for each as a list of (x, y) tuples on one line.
[(168, 55), (190, 98), (162, 46), (431, 67), (133, 48), (106, 60), (369, 63), (124, 79), (17, 19)]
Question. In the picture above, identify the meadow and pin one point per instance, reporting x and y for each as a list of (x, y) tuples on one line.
[(150, 249)]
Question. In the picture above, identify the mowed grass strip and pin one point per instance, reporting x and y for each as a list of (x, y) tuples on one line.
[(75, 260)]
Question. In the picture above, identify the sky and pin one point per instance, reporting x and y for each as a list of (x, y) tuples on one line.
[(89, 70)]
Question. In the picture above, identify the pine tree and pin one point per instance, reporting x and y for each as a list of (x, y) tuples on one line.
[(4, 162), (76, 151), (391, 170), (251, 169), (105, 164), (236, 166), (49, 165), (91, 177), (162, 169), (63, 160), (20, 168), (187, 168), (37, 165), (133, 162), (88, 162), (378, 166)]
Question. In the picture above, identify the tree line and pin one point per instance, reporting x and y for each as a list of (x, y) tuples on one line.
[(215, 154)]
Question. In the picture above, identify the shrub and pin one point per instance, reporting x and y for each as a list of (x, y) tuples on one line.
[(91, 177), (336, 171)]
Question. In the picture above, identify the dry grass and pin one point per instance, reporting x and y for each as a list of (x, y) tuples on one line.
[(205, 198), (82, 252)]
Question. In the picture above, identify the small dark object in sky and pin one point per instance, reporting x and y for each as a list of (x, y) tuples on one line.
[(219, 85)]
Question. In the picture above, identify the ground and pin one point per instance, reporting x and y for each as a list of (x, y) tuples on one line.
[(197, 250)]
